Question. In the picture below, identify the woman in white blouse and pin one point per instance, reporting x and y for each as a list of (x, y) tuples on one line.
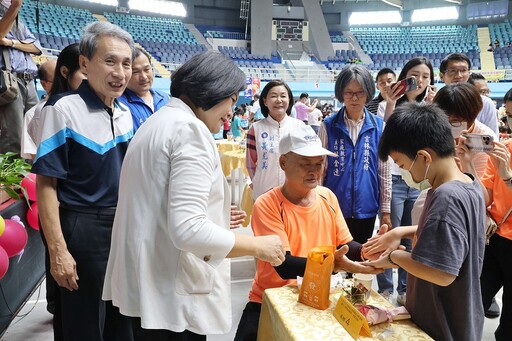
[(167, 267)]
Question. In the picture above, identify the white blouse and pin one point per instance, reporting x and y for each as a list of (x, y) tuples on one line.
[(171, 231)]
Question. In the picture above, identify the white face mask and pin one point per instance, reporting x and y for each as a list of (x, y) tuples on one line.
[(457, 131), (407, 177)]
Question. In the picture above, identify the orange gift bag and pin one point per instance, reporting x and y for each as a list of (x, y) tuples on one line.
[(316, 284)]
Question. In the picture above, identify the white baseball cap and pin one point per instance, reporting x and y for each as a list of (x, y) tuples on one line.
[(303, 141)]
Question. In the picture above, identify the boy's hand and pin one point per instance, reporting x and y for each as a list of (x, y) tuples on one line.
[(342, 263), (384, 242), (381, 263)]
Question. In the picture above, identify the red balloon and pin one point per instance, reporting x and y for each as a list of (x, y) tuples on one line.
[(32, 216), (29, 183), (4, 262), (14, 238)]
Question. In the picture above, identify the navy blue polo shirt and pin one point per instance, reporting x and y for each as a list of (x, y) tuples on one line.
[(83, 144)]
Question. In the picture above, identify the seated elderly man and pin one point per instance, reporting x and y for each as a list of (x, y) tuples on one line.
[(304, 215)]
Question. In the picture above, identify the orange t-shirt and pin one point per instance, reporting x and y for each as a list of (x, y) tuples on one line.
[(300, 229), (502, 196)]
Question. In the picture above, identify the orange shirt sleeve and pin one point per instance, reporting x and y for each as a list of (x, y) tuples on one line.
[(489, 175), (266, 218)]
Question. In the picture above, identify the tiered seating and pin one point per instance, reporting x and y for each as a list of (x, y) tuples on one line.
[(503, 58), (221, 32), (342, 58), (397, 60), (337, 37), (168, 40), (502, 32), (252, 64), (59, 26), (393, 46), (144, 28), (443, 39), (166, 52)]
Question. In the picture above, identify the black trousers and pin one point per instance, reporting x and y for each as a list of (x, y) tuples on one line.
[(361, 229), (82, 314), (141, 334), (248, 326), (496, 273)]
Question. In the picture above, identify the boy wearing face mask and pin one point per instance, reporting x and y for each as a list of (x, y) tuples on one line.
[(444, 266)]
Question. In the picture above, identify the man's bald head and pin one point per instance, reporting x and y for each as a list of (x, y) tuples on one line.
[(46, 74)]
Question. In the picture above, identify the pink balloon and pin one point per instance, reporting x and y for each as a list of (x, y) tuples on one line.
[(14, 238), (32, 216), (4, 262), (29, 183)]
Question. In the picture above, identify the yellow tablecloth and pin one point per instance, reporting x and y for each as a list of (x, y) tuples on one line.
[(284, 318), (227, 146), (246, 204), (232, 160)]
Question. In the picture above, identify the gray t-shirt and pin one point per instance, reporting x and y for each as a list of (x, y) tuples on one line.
[(450, 238)]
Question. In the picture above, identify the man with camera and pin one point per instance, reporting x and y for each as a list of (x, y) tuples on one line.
[(17, 43)]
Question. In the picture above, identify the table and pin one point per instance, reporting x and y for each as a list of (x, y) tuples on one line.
[(233, 162), (226, 146), (246, 204), (284, 318)]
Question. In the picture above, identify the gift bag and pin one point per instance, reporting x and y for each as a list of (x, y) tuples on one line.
[(316, 284)]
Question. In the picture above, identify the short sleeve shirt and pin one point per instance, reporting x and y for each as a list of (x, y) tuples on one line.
[(83, 144), (502, 196), (302, 111), (300, 229), (450, 238)]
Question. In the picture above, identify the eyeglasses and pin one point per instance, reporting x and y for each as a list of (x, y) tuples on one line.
[(350, 94), (456, 124), (453, 72)]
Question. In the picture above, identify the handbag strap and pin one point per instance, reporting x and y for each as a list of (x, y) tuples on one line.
[(505, 217), (7, 59)]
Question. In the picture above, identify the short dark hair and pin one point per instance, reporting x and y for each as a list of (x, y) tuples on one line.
[(508, 96), (461, 100), (304, 94), (207, 79), (384, 71), (453, 57), (475, 77), (68, 58), (403, 74), (358, 73), (138, 51), (266, 90), (238, 111), (415, 126)]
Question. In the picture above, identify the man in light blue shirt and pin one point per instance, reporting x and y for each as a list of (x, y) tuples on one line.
[(19, 43), (138, 96)]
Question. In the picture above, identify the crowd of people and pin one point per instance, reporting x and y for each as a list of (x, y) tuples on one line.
[(142, 253)]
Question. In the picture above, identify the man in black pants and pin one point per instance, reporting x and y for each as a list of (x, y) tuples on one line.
[(85, 135)]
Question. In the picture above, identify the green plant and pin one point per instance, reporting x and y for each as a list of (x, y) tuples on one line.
[(12, 170)]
